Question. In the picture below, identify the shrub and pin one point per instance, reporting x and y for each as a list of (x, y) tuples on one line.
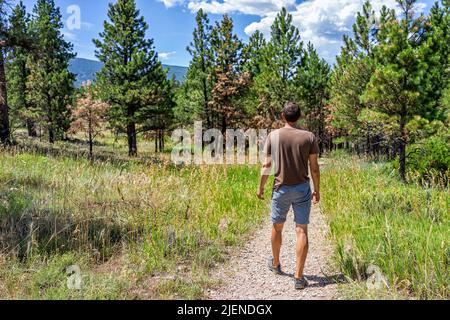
[(429, 160)]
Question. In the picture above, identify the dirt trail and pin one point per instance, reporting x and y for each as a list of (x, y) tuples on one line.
[(246, 275)]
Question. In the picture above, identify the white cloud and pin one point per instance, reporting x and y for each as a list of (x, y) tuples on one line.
[(171, 3), (323, 22), (166, 55), (253, 7)]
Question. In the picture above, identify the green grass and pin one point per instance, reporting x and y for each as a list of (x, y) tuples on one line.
[(143, 228), (45, 277), (144, 220), (402, 229)]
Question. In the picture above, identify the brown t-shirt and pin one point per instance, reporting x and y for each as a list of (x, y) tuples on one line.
[(290, 149)]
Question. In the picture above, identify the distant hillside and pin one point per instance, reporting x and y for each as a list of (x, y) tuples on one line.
[(85, 69)]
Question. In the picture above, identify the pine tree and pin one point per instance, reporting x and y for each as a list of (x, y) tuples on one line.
[(229, 80), (351, 75), (312, 77), (436, 52), (8, 40), (364, 30), (281, 57), (4, 109), (253, 53), (394, 87), (18, 71), (200, 67), (50, 84), (163, 117), (132, 79), (285, 46), (226, 47), (252, 62)]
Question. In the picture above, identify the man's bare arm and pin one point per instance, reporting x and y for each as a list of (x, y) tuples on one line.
[(315, 173), (265, 173)]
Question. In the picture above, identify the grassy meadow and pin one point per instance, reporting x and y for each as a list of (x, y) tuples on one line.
[(127, 223), (136, 229), (401, 229), (143, 228)]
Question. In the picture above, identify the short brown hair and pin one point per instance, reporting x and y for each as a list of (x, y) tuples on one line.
[(291, 112)]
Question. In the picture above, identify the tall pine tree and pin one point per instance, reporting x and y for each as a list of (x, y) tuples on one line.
[(253, 53), (4, 42), (394, 87), (50, 84), (436, 53), (312, 78), (132, 79), (281, 57), (351, 74), (200, 68), (253, 60), (18, 71), (229, 80)]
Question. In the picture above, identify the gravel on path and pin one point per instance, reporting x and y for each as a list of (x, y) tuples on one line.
[(246, 276)]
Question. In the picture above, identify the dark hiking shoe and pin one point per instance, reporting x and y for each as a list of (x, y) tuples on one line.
[(301, 283), (276, 270)]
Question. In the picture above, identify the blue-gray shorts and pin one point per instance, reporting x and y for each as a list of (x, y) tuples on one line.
[(298, 196)]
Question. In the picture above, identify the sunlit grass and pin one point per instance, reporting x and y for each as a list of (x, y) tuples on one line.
[(376, 220), (156, 217), (125, 221)]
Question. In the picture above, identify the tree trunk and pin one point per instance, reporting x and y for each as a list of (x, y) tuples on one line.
[(132, 143), (50, 119), (224, 125), (160, 141), (91, 147), (91, 138), (367, 141), (51, 134), (31, 128), (4, 116), (205, 103)]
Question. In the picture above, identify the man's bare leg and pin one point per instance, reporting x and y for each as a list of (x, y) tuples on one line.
[(277, 239), (301, 248)]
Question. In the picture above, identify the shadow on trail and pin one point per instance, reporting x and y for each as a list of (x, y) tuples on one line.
[(320, 281)]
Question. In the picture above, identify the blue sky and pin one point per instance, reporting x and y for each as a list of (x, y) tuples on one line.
[(322, 22)]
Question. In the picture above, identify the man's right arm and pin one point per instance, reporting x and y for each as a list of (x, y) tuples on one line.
[(315, 173)]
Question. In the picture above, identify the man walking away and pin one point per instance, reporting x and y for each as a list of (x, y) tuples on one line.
[(288, 152)]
